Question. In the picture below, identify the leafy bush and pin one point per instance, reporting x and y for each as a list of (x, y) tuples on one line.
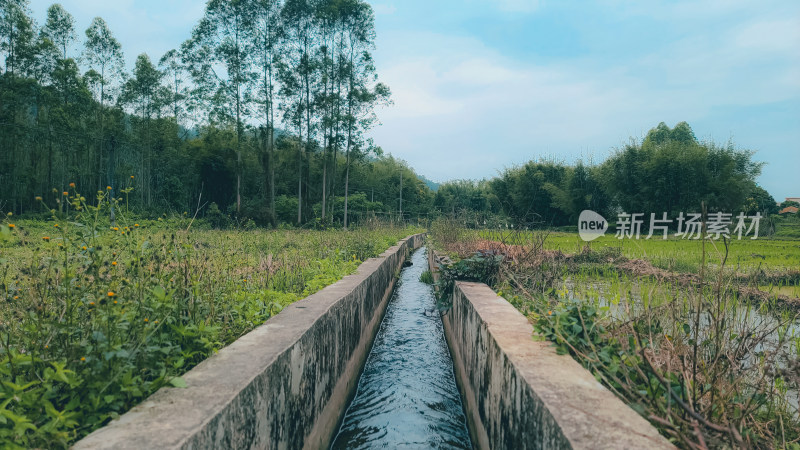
[(481, 267), (216, 217)]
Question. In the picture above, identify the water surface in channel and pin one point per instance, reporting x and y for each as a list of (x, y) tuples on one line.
[(407, 395)]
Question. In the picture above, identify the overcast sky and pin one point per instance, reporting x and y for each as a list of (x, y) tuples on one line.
[(482, 85)]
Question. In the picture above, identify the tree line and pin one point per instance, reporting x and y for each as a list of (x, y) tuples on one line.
[(262, 114), (263, 109), (668, 171)]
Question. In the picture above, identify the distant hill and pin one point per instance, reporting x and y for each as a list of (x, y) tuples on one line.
[(431, 184)]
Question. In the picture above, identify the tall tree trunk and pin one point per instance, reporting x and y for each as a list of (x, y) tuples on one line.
[(324, 131), (349, 136), (324, 180), (49, 156), (346, 183), (102, 134), (111, 170), (238, 152), (271, 137), (401, 194), (238, 122), (307, 147), (336, 138), (300, 165), (149, 148)]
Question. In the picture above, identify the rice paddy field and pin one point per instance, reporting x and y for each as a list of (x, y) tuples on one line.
[(702, 340), (771, 265), (95, 316), (683, 255)]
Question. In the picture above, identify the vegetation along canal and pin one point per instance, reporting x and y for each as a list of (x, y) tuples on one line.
[(407, 394)]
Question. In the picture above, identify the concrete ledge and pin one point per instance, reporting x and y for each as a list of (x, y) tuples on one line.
[(519, 394), (284, 385)]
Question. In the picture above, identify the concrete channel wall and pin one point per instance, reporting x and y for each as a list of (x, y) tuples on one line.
[(519, 394), (285, 385)]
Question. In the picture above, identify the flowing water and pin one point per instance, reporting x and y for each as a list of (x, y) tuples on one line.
[(407, 395)]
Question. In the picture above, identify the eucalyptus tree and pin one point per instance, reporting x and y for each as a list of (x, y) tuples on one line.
[(103, 54), (17, 48), (363, 91), (171, 66), (296, 70), (327, 99), (56, 36), (45, 58), (59, 28), (223, 39), (143, 92), (17, 36), (266, 42)]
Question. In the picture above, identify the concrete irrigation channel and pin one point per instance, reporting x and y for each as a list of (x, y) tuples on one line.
[(310, 377), (407, 394)]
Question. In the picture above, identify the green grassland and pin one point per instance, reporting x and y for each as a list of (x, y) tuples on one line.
[(94, 317)]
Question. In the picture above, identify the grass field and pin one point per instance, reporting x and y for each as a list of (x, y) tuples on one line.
[(95, 317)]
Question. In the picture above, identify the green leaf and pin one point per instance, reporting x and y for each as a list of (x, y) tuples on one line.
[(178, 382), (159, 293)]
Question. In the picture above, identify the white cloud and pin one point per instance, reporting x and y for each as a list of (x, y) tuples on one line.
[(462, 100), (414, 87), (781, 36), (480, 72), (466, 109)]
